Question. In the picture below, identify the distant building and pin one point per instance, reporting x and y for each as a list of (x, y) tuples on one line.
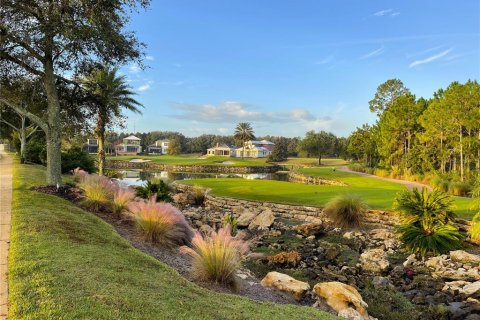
[(221, 150), (159, 147), (255, 149), (91, 146), (129, 146)]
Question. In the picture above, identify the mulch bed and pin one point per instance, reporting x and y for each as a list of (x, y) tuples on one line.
[(249, 287)]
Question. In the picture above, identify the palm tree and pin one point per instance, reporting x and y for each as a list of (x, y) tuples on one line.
[(243, 133), (110, 95)]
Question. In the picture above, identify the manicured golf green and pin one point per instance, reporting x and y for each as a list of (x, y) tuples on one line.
[(377, 193), (195, 159), (66, 263), (314, 162)]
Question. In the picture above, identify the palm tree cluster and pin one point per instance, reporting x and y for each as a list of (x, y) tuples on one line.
[(427, 222)]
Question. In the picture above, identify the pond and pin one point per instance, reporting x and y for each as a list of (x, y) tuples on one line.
[(138, 177)]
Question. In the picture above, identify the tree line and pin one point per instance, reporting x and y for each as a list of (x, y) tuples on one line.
[(418, 136)]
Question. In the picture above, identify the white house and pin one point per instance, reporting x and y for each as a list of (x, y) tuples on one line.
[(91, 146), (255, 149), (221, 150), (159, 147), (129, 146)]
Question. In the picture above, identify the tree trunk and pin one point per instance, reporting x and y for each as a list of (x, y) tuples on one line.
[(101, 142), (320, 159), (23, 140), (461, 155), (243, 151), (54, 154)]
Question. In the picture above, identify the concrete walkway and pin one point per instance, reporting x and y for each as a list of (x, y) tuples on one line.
[(409, 184), (5, 218)]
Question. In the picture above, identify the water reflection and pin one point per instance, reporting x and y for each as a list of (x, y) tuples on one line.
[(138, 177)]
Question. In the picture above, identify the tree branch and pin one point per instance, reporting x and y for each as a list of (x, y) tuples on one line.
[(32, 132), (36, 119), (9, 124)]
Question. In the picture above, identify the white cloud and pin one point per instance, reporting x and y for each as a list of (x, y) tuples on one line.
[(233, 112), (151, 58), (134, 69), (431, 58), (381, 13), (325, 60), (395, 14), (374, 53), (144, 87)]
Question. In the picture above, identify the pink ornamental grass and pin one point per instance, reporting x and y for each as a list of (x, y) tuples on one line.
[(121, 200), (98, 191), (161, 222), (216, 257), (79, 174)]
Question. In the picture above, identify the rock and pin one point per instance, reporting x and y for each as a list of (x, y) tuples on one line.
[(206, 229), (340, 297), (351, 314), (374, 260), (263, 221), (332, 252), (379, 282), (464, 257), (454, 286), (381, 234), (471, 289), (311, 229), (245, 218), (457, 274), (436, 262), (183, 198), (291, 258), (410, 260), (285, 283), (349, 235)]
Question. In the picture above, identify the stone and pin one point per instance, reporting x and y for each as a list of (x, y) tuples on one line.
[(206, 229), (410, 260), (374, 260), (245, 218), (381, 234), (311, 229), (183, 198), (464, 257), (263, 221), (471, 289), (379, 282), (340, 297), (285, 283), (457, 274), (291, 258), (436, 262)]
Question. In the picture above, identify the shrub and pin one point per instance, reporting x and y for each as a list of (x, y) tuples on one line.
[(159, 189), (427, 222), (346, 211), (79, 175), (198, 194), (98, 191), (440, 183), (161, 223), (356, 167), (216, 257), (459, 188), (36, 150), (230, 220), (121, 200), (382, 173), (74, 158), (474, 230)]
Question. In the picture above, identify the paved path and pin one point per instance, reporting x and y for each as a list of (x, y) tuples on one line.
[(409, 184), (5, 217)]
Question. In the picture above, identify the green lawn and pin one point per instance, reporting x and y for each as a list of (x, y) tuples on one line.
[(377, 193), (66, 263), (195, 159), (314, 162)]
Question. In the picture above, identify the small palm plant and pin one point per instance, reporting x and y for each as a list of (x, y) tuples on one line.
[(427, 222), (216, 257), (346, 211), (157, 188)]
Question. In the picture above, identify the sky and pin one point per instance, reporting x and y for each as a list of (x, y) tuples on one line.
[(293, 65)]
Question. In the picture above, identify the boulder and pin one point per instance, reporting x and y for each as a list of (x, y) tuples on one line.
[(291, 258), (411, 259), (341, 297), (183, 198), (285, 283), (374, 260), (245, 218), (464, 257), (263, 221), (471, 289), (310, 229), (382, 234)]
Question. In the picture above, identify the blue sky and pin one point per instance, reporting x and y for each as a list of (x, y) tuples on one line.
[(292, 66)]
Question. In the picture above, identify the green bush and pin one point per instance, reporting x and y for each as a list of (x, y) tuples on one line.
[(76, 158), (459, 188), (158, 188), (441, 183), (382, 173), (387, 304), (474, 230), (346, 211), (427, 222), (36, 150), (358, 167)]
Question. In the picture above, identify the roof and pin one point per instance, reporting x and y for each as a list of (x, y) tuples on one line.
[(162, 140), (261, 142), (132, 138), (220, 146)]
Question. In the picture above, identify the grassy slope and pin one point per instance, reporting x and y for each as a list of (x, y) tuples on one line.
[(68, 264), (377, 193), (195, 160)]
